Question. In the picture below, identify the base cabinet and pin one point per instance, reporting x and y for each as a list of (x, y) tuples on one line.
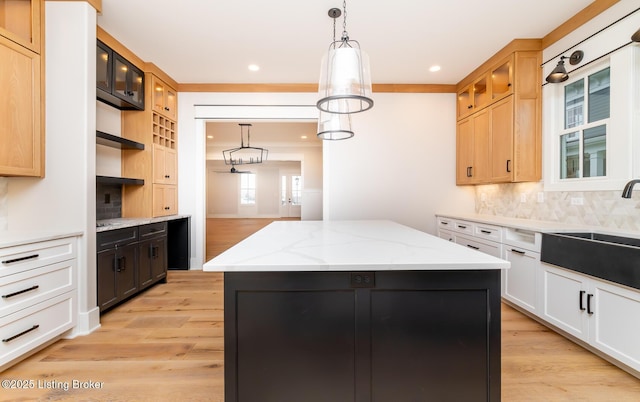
[(319, 336), (117, 266), (520, 280), (152, 251), (130, 260), (594, 311)]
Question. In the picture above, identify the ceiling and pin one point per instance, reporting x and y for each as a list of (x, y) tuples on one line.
[(263, 134), (210, 41)]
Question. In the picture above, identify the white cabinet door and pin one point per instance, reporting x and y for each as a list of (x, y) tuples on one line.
[(447, 235), (520, 281), (615, 321), (564, 300)]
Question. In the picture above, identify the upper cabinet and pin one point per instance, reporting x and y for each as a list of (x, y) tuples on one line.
[(119, 82), (164, 98), (22, 88), (21, 22), (499, 122)]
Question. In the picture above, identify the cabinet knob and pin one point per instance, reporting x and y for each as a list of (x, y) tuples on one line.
[(166, 108), (469, 107)]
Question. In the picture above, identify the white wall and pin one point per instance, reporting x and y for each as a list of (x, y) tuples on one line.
[(64, 201), (400, 165)]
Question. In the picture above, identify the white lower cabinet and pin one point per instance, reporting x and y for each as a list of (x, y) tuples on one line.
[(38, 295), (605, 315), (519, 281)]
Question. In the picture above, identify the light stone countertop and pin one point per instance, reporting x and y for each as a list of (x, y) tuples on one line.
[(367, 245), (539, 226), (120, 223)]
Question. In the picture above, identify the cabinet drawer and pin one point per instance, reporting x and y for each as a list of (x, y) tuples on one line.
[(117, 237), (153, 230), (21, 258), (493, 233), (491, 248), (33, 286), (446, 223), (27, 329), (463, 227)]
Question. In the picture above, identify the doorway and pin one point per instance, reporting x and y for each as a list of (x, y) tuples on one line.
[(290, 194)]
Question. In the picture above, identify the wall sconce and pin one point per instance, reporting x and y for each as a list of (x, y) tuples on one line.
[(636, 36), (559, 74)]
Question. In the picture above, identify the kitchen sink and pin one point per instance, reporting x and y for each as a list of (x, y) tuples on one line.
[(614, 258)]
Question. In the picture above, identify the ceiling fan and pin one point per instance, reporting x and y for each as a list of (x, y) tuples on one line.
[(234, 170)]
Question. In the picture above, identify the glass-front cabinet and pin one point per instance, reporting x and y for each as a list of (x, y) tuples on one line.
[(502, 79), (20, 22), (128, 81), (104, 57)]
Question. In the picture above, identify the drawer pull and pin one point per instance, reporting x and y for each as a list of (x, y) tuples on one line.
[(29, 257), (26, 331), (485, 231), (473, 247), (19, 292), (444, 223), (461, 227), (518, 251)]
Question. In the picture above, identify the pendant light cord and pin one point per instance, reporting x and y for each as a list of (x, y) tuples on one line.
[(345, 35)]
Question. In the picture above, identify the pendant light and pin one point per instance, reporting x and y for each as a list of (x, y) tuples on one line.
[(244, 154), (334, 126), (345, 79)]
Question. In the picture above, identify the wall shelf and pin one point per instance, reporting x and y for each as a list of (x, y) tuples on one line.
[(118, 180), (114, 141)]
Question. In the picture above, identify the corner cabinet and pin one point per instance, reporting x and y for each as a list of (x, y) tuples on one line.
[(22, 87), (156, 128), (499, 123)]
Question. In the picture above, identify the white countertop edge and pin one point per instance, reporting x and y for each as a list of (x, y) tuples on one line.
[(355, 268), (19, 238)]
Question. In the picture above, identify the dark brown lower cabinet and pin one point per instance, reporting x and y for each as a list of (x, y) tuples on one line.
[(152, 254), (332, 336), (128, 261)]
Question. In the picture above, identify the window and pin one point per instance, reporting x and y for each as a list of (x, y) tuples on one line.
[(583, 140), (296, 190), (247, 189)]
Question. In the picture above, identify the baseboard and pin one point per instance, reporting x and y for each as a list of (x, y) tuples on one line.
[(87, 323)]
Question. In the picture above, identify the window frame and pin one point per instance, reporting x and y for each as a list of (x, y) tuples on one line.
[(622, 160)]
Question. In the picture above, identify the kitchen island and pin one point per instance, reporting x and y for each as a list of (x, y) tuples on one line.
[(359, 311)]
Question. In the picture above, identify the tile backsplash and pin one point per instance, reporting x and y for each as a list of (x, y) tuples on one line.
[(108, 201), (4, 209), (530, 201)]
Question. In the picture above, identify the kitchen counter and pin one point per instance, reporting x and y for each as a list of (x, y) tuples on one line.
[(347, 246), (540, 226), (104, 225), (359, 311)]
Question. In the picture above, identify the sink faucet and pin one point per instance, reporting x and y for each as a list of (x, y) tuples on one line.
[(628, 188)]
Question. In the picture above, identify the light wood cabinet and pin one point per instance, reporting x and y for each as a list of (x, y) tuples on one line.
[(507, 99), (165, 200), (473, 149), (164, 98), (22, 87), (157, 165)]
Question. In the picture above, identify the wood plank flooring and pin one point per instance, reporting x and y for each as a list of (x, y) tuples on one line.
[(167, 345)]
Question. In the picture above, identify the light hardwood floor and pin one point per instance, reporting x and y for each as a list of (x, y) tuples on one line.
[(166, 345)]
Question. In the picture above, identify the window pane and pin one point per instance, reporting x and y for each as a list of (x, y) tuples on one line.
[(247, 188), (569, 155), (599, 88), (574, 104), (595, 151), (283, 190), (296, 190)]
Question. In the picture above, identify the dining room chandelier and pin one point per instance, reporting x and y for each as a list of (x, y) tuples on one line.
[(345, 78), (244, 154)]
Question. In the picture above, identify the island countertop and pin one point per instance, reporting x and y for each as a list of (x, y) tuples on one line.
[(358, 245)]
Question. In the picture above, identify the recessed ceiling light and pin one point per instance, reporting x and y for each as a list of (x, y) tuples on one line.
[(254, 67), (433, 69), (304, 137), (210, 137)]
